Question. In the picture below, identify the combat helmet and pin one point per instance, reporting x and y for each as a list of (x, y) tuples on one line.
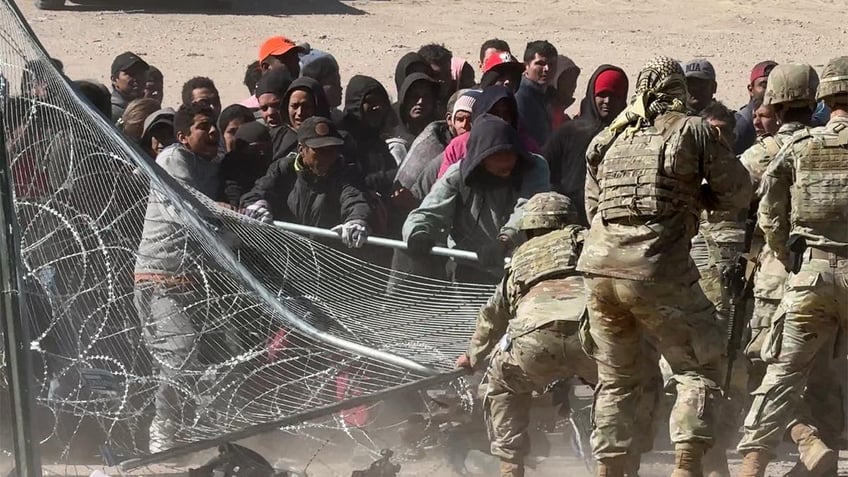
[(834, 79), (548, 210), (792, 85)]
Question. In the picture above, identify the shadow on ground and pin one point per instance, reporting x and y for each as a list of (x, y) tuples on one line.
[(217, 7)]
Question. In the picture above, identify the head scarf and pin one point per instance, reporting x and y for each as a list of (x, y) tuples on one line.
[(660, 88)]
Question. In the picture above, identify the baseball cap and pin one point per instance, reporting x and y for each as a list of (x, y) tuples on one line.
[(163, 116), (501, 58), (317, 132), (276, 46), (699, 68), (761, 69), (125, 61)]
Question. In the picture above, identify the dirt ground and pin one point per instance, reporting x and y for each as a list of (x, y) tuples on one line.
[(368, 37)]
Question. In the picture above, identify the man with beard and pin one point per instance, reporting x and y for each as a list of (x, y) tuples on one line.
[(745, 131), (606, 97), (540, 62), (129, 77)]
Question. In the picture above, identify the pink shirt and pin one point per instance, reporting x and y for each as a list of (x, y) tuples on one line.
[(252, 102)]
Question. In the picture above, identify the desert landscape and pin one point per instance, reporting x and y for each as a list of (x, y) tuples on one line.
[(369, 36)]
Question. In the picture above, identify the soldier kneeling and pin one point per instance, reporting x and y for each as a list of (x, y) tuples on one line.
[(531, 321)]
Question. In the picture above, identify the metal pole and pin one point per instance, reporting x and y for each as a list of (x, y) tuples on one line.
[(378, 241), (131, 464), (15, 326)]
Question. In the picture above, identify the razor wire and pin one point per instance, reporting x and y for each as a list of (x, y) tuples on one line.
[(280, 324)]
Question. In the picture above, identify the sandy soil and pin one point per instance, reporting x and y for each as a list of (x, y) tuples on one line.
[(369, 36)]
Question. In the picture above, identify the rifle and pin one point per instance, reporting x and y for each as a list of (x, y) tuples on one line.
[(741, 286)]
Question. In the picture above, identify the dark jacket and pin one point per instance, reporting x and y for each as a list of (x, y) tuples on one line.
[(744, 131), (119, 105), (284, 138), (296, 195), (533, 109), (366, 147), (566, 149), (402, 135)]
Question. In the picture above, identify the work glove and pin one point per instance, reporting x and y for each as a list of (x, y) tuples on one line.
[(492, 254), (354, 233), (259, 211), (419, 244)]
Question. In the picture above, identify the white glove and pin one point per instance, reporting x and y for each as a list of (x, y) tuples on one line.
[(259, 211), (354, 233)]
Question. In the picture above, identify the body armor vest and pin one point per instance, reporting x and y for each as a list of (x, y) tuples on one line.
[(549, 256), (820, 191), (637, 180)]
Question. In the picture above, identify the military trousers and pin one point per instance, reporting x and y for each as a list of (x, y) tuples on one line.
[(522, 365), (815, 309), (679, 318)]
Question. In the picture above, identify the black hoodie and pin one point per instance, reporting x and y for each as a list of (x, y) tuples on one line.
[(367, 148), (284, 138), (402, 130), (404, 69), (566, 149)]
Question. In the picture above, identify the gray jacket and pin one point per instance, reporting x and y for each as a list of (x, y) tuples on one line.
[(166, 247)]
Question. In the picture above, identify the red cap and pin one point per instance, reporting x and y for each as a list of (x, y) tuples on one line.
[(761, 69), (611, 81), (498, 58), (276, 46)]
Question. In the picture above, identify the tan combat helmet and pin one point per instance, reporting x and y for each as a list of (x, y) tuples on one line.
[(834, 79), (792, 85), (548, 210)]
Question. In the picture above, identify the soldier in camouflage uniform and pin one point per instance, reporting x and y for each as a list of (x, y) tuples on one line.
[(804, 203), (531, 322), (650, 175), (792, 93)]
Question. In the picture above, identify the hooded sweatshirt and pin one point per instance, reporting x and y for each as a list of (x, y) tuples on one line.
[(403, 137), (404, 68), (367, 148), (284, 138), (558, 116), (566, 150), (490, 96), (473, 206)]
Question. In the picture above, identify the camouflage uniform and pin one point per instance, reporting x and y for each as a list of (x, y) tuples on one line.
[(804, 195), (531, 322), (644, 195), (771, 274)]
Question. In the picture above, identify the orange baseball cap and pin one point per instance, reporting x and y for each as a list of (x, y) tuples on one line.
[(276, 46)]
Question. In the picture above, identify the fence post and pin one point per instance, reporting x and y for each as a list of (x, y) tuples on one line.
[(15, 328)]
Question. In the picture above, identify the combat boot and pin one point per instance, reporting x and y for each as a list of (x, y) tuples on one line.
[(511, 469), (612, 467), (687, 460), (816, 456), (798, 470), (754, 464)]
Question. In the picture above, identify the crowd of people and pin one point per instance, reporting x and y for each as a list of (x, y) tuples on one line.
[(627, 185)]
